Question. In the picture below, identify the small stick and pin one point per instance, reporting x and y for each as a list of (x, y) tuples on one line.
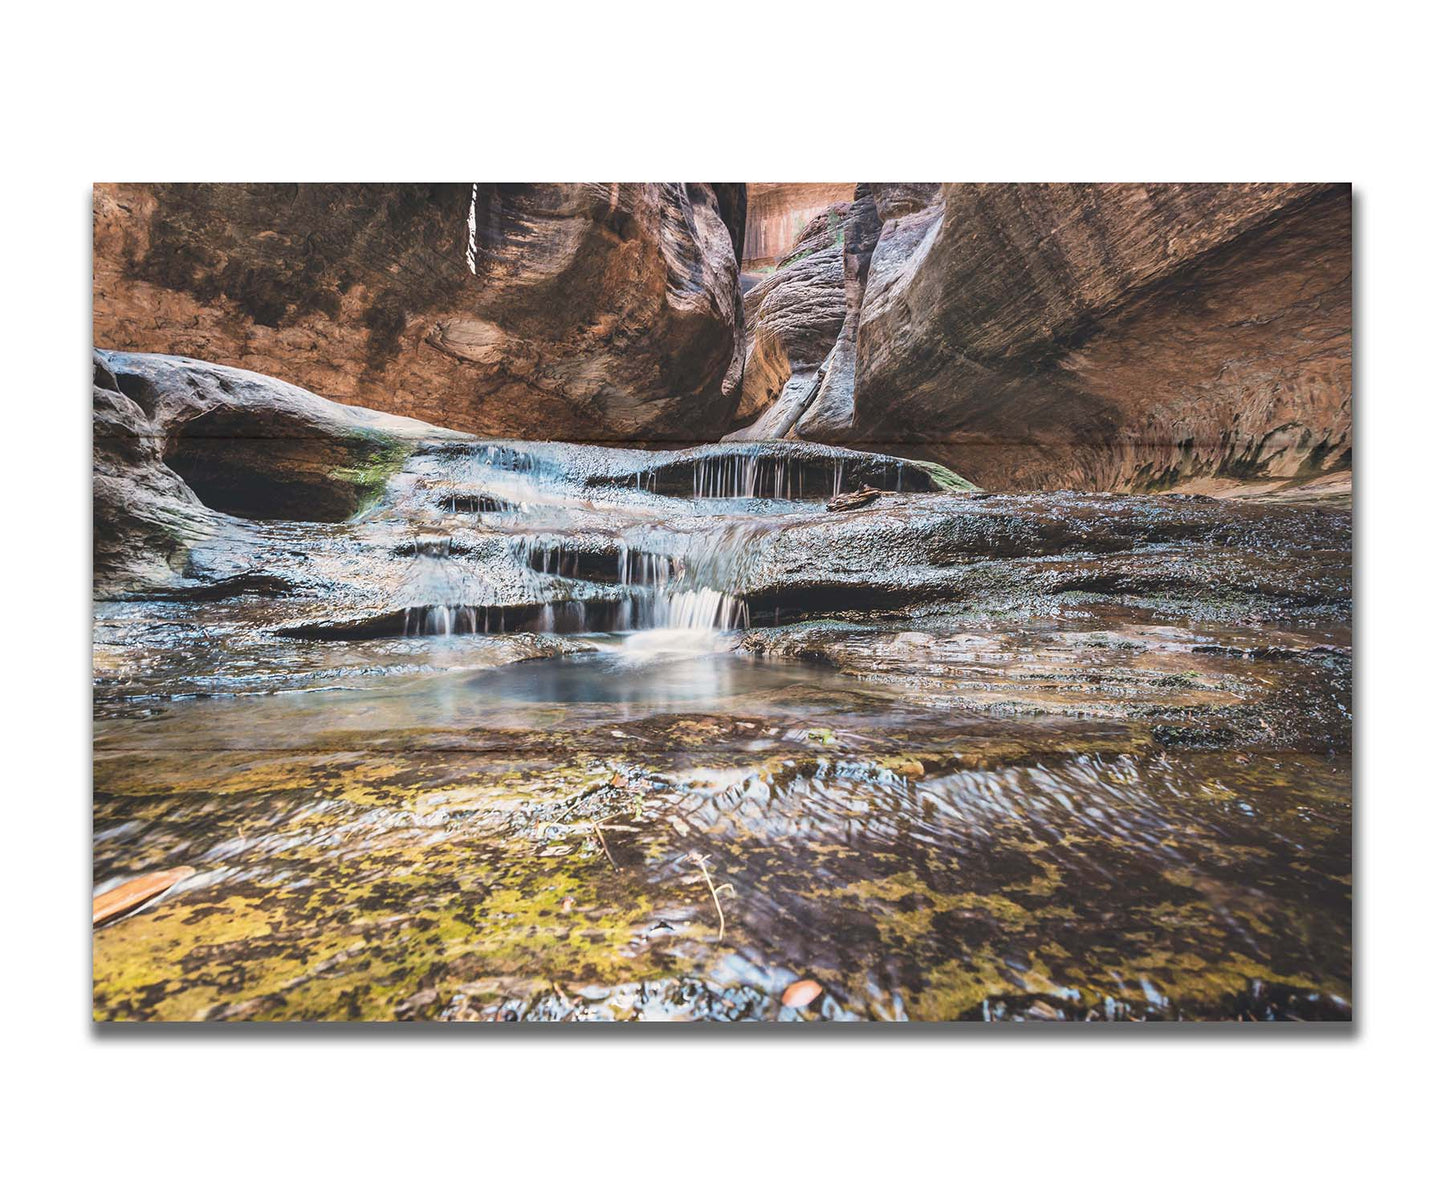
[(598, 829), (716, 902)]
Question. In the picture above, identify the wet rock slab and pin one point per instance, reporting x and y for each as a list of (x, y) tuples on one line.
[(953, 755)]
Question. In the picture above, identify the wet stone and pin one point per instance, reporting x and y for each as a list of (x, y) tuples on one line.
[(948, 756)]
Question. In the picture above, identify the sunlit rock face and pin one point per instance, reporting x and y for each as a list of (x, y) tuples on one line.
[(1130, 337), (572, 311), (777, 216)]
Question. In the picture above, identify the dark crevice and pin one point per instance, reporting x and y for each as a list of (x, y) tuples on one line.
[(774, 608), (139, 389), (575, 563), (603, 565), (565, 618), (257, 584)]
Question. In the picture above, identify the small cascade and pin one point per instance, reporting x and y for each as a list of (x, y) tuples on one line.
[(435, 576), (662, 576), (475, 503), (651, 570), (658, 589), (434, 545), (567, 617), (509, 459), (765, 475), (440, 620), (696, 610), (698, 590)]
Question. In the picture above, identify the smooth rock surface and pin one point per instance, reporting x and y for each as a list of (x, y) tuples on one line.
[(792, 321), (560, 310), (778, 212), (1124, 337)]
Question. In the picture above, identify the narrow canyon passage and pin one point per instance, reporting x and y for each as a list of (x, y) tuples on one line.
[(723, 601)]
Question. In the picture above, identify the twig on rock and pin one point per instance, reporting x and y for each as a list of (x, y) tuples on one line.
[(596, 827), (714, 890)]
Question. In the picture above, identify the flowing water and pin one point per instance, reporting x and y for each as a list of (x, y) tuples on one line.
[(600, 805)]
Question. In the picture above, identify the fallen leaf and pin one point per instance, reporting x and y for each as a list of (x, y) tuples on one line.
[(130, 895), (801, 993)]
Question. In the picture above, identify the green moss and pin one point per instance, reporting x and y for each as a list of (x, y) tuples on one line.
[(341, 885), (945, 478), (378, 458)]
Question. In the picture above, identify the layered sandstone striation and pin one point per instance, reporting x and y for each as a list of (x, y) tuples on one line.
[(778, 214), (1133, 337), (792, 319), (1118, 336), (551, 311)]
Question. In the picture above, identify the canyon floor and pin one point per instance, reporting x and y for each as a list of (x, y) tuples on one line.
[(552, 732)]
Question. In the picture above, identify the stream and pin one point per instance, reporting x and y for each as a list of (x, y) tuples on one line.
[(550, 734)]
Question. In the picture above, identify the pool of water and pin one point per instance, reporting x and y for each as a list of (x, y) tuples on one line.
[(656, 826), (612, 679)]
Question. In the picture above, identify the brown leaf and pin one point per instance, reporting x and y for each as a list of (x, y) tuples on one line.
[(801, 993), (130, 895)]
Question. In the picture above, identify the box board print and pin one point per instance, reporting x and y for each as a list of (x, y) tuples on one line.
[(775, 601)]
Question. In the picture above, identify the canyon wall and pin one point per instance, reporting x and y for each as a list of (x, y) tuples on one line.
[(1083, 336), (552, 311), (777, 214), (792, 318), (1116, 336)]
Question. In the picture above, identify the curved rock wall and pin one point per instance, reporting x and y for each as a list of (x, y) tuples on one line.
[(792, 319), (1094, 336), (1118, 336), (564, 311)]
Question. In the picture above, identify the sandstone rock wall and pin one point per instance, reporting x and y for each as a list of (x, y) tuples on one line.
[(792, 319), (1094, 336), (777, 215), (1113, 336), (565, 311)]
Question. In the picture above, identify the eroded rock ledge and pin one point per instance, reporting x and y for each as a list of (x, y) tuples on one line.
[(270, 529)]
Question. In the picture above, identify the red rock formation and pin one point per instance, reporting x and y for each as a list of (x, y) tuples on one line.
[(792, 318), (777, 214), (1098, 336), (568, 311)]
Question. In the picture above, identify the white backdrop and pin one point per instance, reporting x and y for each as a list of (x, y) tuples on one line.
[(1094, 91)]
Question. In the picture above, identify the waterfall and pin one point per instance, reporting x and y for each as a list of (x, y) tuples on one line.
[(439, 620), (661, 575), (658, 589), (762, 474)]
